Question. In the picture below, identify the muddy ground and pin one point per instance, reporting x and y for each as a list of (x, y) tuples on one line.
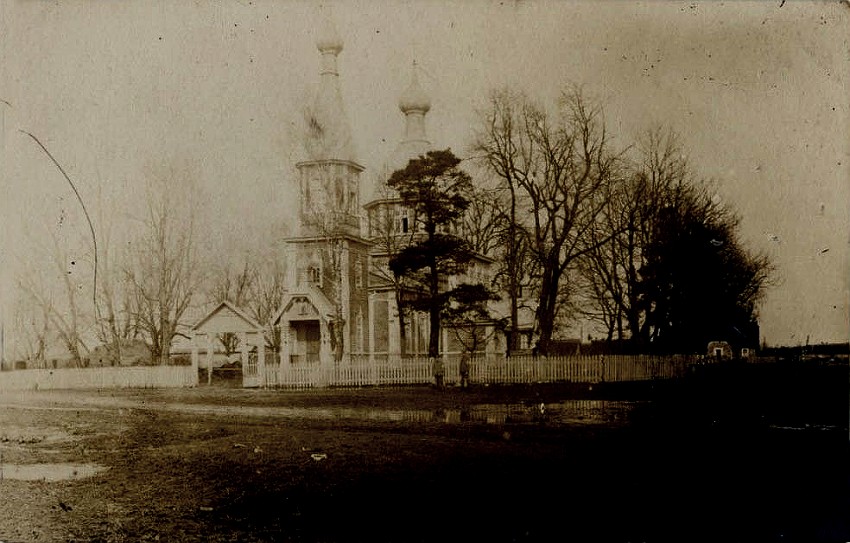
[(705, 460)]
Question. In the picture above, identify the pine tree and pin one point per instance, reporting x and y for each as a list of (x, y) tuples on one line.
[(437, 191)]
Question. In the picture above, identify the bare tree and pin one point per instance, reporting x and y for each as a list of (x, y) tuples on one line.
[(163, 271), (56, 289), (496, 149), (611, 270), (482, 222), (69, 331), (265, 298), (666, 246), (236, 287), (31, 329), (114, 297), (604, 269), (555, 168)]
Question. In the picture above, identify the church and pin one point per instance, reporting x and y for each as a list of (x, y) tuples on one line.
[(342, 302)]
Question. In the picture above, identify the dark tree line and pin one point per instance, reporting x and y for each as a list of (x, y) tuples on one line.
[(628, 237)]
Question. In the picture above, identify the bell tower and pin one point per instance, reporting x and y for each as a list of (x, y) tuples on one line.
[(325, 308), (329, 179)]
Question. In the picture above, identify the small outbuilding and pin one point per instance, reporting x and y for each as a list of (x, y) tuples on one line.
[(720, 350), (226, 318)]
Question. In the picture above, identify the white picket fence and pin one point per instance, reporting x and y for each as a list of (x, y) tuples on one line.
[(101, 377), (365, 371), (357, 371)]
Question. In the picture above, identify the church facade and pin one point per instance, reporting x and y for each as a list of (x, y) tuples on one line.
[(342, 302)]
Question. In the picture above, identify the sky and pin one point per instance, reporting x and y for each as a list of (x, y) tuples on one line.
[(210, 97)]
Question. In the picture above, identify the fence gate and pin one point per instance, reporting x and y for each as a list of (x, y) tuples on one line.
[(229, 319), (250, 371)]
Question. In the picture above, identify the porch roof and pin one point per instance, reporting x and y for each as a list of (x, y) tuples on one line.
[(314, 295)]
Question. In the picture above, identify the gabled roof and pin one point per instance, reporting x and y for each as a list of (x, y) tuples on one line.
[(244, 323), (314, 295)]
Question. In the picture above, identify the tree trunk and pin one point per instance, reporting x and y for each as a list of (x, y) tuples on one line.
[(434, 315), (514, 270), (434, 335), (546, 309), (513, 337), (434, 309), (402, 325)]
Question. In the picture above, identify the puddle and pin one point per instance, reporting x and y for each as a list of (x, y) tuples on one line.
[(570, 412), (49, 472), (562, 413), (826, 427)]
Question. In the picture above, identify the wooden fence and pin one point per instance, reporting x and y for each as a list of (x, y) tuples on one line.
[(102, 377), (365, 371)]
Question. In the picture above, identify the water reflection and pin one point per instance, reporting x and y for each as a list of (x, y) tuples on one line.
[(570, 412)]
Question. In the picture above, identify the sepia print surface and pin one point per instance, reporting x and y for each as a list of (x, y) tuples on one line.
[(424, 271)]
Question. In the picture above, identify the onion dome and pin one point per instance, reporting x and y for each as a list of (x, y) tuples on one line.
[(329, 40), (414, 98)]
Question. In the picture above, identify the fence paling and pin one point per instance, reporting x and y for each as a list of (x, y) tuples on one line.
[(361, 370), (100, 377)]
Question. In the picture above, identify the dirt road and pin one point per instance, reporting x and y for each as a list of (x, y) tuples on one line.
[(232, 465)]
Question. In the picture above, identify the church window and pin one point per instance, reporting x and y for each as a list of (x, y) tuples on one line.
[(314, 275), (358, 272), (340, 195), (352, 198), (405, 222), (317, 200)]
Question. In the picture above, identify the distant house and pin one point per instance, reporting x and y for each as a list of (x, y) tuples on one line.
[(720, 350), (134, 352), (739, 341)]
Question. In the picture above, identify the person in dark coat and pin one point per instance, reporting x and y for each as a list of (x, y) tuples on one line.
[(439, 371), (464, 370)]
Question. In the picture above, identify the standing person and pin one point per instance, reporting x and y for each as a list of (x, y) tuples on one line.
[(439, 371), (464, 370)]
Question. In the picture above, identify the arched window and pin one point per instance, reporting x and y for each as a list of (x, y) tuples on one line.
[(314, 275), (358, 272), (339, 193)]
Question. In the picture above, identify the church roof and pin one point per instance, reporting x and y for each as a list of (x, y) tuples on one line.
[(414, 99), (329, 39), (414, 103), (328, 131), (315, 296)]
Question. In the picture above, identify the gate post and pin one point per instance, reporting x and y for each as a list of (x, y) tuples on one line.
[(261, 359), (195, 364)]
